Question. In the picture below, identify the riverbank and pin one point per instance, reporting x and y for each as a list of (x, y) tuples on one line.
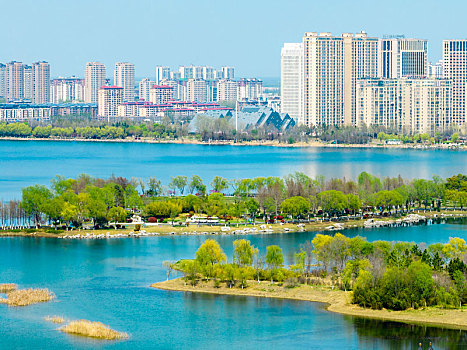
[(337, 301), (191, 141), (234, 228)]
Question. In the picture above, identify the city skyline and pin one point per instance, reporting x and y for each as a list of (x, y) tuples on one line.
[(252, 52)]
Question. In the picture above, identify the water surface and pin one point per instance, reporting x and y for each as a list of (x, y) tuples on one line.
[(23, 163), (107, 281)]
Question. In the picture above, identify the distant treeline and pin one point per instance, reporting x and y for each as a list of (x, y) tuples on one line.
[(382, 274), (216, 130), (296, 196)]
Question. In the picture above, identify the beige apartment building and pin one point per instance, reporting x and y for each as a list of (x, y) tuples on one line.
[(40, 83), (332, 66), (110, 97), (94, 79), (14, 81), (124, 76), (408, 105)]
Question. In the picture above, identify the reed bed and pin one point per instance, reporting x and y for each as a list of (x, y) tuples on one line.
[(23, 297), (7, 287), (93, 329), (54, 319)]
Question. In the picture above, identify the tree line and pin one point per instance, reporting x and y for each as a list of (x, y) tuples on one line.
[(169, 128), (381, 274), (296, 197)]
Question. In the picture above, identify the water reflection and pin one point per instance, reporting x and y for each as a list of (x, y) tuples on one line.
[(396, 335)]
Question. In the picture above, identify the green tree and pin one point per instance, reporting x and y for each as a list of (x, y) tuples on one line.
[(332, 202), (295, 206), (209, 254), (274, 258), (219, 184), (116, 214), (196, 183), (35, 200), (179, 182), (244, 252)]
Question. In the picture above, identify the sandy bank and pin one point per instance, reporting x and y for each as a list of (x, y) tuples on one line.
[(233, 229), (190, 141), (338, 301)]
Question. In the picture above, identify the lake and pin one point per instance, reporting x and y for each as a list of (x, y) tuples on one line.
[(108, 281), (23, 163)]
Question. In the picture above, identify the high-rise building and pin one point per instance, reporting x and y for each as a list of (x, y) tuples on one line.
[(408, 105), (249, 89), (207, 73), (197, 90), (227, 90), (110, 97), (124, 76), (14, 81), (162, 73), (435, 70), (27, 82), (144, 86), (332, 66), (455, 69), (292, 80), (2, 80), (94, 79), (67, 90), (401, 57), (40, 82), (191, 72), (159, 94), (228, 73)]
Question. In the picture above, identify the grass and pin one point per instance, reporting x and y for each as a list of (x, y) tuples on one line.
[(338, 301), (23, 297), (7, 287), (54, 319), (97, 330)]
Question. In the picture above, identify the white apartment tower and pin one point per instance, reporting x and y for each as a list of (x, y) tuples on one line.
[(94, 79), (110, 97), (228, 73), (227, 90), (144, 86), (197, 90), (332, 66), (14, 81), (403, 58), (124, 76), (455, 69), (160, 94), (67, 90), (40, 83), (27, 82), (292, 81), (162, 73), (435, 70)]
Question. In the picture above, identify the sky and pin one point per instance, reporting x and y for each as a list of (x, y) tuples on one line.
[(247, 35)]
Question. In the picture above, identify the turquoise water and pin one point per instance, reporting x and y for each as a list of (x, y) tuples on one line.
[(23, 163), (108, 281)]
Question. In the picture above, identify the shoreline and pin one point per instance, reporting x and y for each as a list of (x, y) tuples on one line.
[(337, 301), (188, 141), (242, 229)]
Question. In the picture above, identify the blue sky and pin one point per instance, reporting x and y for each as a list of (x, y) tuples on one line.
[(245, 34)]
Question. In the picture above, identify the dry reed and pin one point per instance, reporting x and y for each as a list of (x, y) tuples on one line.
[(23, 297), (54, 319), (93, 329), (7, 287)]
